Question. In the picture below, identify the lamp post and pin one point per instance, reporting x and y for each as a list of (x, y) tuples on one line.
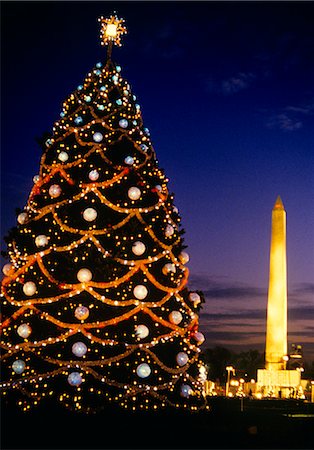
[(228, 369)]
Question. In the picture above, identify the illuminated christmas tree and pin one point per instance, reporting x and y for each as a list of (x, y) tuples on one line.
[(95, 303)]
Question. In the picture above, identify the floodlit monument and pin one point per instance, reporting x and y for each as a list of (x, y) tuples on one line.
[(275, 380)]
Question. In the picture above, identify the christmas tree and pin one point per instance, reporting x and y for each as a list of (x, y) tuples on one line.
[(95, 303)]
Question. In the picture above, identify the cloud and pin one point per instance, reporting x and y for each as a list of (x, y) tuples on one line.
[(283, 122), (291, 117), (237, 83)]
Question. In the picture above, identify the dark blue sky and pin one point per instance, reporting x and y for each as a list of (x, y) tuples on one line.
[(226, 89)]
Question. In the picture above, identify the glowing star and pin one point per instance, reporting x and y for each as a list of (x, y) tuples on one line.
[(111, 30)]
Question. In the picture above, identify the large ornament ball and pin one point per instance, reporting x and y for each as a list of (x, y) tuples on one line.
[(89, 214), (93, 175), (182, 358), (169, 230), (169, 268), (140, 291), (63, 156), (129, 160), (123, 123), (143, 370), (134, 193), (79, 349), (84, 275), (41, 240), (184, 257), (98, 137), (200, 338), (141, 331), (18, 366), (78, 120), (195, 298), (24, 330), (81, 312), (75, 379), (7, 268), (175, 317), (55, 191), (22, 218), (138, 248), (186, 390), (29, 288), (36, 178)]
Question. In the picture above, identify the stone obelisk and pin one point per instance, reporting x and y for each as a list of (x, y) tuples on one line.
[(276, 328)]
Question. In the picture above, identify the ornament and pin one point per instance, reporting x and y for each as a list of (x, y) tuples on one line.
[(200, 338), (79, 349), (169, 230), (175, 210), (134, 193), (186, 390), (103, 88), (195, 298), (143, 370), (97, 72), (81, 312), (141, 331), (169, 267), (115, 79), (22, 218), (41, 240), (29, 288), (98, 65), (93, 175), (129, 160), (63, 156), (146, 130), (84, 275), (7, 268), (118, 68), (75, 379), (35, 178), (184, 257), (18, 366), (182, 358), (100, 107), (175, 317), (78, 120), (87, 98), (55, 190), (123, 123), (158, 188), (24, 330), (80, 87), (119, 102), (140, 291), (90, 214), (138, 248), (97, 137), (144, 147)]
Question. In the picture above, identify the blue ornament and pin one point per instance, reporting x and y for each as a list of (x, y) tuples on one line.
[(118, 68), (101, 107), (80, 87), (18, 366), (115, 78), (75, 379), (144, 147), (62, 114), (97, 72), (123, 123), (186, 390), (48, 142), (119, 101), (129, 160), (103, 88), (146, 130), (137, 106), (87, 98), (134, 97), (78, 120), (98, 65), (134, 122)]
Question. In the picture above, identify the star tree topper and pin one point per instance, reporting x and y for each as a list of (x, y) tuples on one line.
[(112, 28)]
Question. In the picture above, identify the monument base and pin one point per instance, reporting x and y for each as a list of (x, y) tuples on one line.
[(279, 383)]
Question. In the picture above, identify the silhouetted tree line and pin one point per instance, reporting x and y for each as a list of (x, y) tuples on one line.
[(245, 363)]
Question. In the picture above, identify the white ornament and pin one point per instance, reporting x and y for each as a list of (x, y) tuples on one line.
[(81, 312), (175, 317), (93, 175), (18, 366), (169, 267), (123, 123), (138, 248), (24, 330), (129, 160), (90, 214), (141, 331), (182, 358), (199, 337), (186, 390), (63, 156), (158, 187), (55, 190), (41, 240), (169, 230), (36, 178), (195, 298), (29, 288), (22, 218), (175, 210), (140, 291), (143, 370), (7, 268), (184, 257), (84, 275), (75, 379), (79, 349), (97, 137), (134, 193)]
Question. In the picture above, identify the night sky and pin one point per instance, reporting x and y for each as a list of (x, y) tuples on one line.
[(226, 90)]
